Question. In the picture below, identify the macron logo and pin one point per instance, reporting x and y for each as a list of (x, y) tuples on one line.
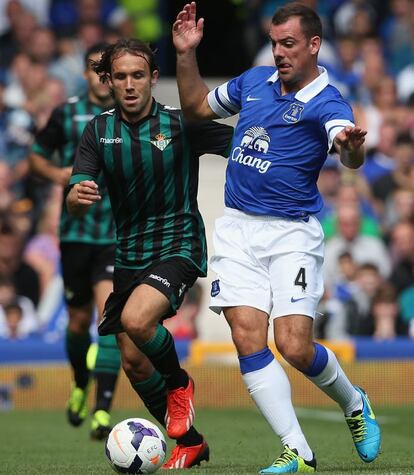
[(115, 140), (160, 279), (250, 98)]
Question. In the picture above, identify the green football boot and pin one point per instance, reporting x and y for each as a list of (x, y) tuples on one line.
[(101, 425), (365, 431), (77, 408), (290, 462)]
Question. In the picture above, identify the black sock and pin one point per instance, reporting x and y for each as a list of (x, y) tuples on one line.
[(192, 437), (153, 392), (77, 348), (161, 352), (105, 385)]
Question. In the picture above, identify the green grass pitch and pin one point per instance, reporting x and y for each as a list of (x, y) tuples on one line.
[(41, 442)]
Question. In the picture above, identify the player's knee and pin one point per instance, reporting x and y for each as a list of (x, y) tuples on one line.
[(246, 342), (79, 326), (135, 326), (295, 352)]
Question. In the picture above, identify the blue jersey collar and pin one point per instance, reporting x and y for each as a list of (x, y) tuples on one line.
[(312, 89)]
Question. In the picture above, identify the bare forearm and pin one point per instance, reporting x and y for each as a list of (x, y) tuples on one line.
[(44, 168), (192, 89)]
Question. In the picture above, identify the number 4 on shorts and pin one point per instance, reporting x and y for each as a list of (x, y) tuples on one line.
[(301, 278)]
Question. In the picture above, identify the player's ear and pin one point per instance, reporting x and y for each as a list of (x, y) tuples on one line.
[(154, 77), (315, 44), (109, 80)]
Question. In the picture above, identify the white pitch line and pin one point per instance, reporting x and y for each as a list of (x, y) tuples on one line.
[(333, 416)]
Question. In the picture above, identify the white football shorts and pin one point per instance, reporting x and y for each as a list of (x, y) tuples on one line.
[(272, 264)]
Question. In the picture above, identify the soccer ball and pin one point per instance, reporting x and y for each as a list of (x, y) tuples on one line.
[(135, 446)]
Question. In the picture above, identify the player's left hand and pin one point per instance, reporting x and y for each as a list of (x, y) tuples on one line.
[(351, 138)]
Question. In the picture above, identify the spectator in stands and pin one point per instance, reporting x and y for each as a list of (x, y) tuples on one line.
[(379, 160), (328, 182), (184, 325), (406, 304), (383, 187), (351, 192), (42, 250), (23, 276), (397, 32), (382, 106), (399, 206), (363, 249), (21, 25), (385, 314), (358, 307), (402, 251), (66, 15), (17, 313)]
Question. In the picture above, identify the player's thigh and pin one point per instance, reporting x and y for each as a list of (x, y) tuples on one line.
[(102, 271), (144, 307), (249, 328), (297, 283), (102, 289), (136, 365)]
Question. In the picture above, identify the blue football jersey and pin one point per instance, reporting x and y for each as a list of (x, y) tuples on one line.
[(280, 142)]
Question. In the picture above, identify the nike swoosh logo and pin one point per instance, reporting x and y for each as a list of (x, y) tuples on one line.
[(250, 98), (364, 455), (296, 300)]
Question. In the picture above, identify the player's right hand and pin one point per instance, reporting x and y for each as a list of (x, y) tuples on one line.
[(187, 32), (87, 192)]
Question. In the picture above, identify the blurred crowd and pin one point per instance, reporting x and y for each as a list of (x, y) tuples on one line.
[(368, 218)]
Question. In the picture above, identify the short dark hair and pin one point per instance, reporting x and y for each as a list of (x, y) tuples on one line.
[(124, 45), (309, 20), (96, 48)]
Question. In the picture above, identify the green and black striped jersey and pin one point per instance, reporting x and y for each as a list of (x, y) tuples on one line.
[(62, 134), (151, 173)]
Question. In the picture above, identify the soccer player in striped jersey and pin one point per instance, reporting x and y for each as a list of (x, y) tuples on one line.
[(149, 158), (269, 246), (87, 248)]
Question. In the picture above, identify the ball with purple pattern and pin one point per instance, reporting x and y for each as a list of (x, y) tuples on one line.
[(136, 446)]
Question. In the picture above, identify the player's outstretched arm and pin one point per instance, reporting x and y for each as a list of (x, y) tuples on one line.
[(349, 144), (81, 197), (187, 33)]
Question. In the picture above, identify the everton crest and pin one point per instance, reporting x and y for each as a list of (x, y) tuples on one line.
[(294, 113), (160, 141)]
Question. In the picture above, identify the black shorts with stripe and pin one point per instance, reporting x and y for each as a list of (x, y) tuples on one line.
[(172, 277)]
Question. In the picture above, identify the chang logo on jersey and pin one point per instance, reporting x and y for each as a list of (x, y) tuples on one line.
[(111, 141), (255, 139), (294, 113)]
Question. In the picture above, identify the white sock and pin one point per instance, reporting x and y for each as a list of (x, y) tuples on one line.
[(270, 390), (334, 382)]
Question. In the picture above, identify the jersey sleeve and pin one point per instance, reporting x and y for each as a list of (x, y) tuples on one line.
[(51, 137), (87, 163), (225, 100), (210, 137), (336, 114)]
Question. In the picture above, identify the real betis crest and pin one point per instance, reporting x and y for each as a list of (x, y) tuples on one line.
[(160, 141)]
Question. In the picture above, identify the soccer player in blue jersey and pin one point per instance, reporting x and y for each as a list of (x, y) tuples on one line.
[(268, 245)]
